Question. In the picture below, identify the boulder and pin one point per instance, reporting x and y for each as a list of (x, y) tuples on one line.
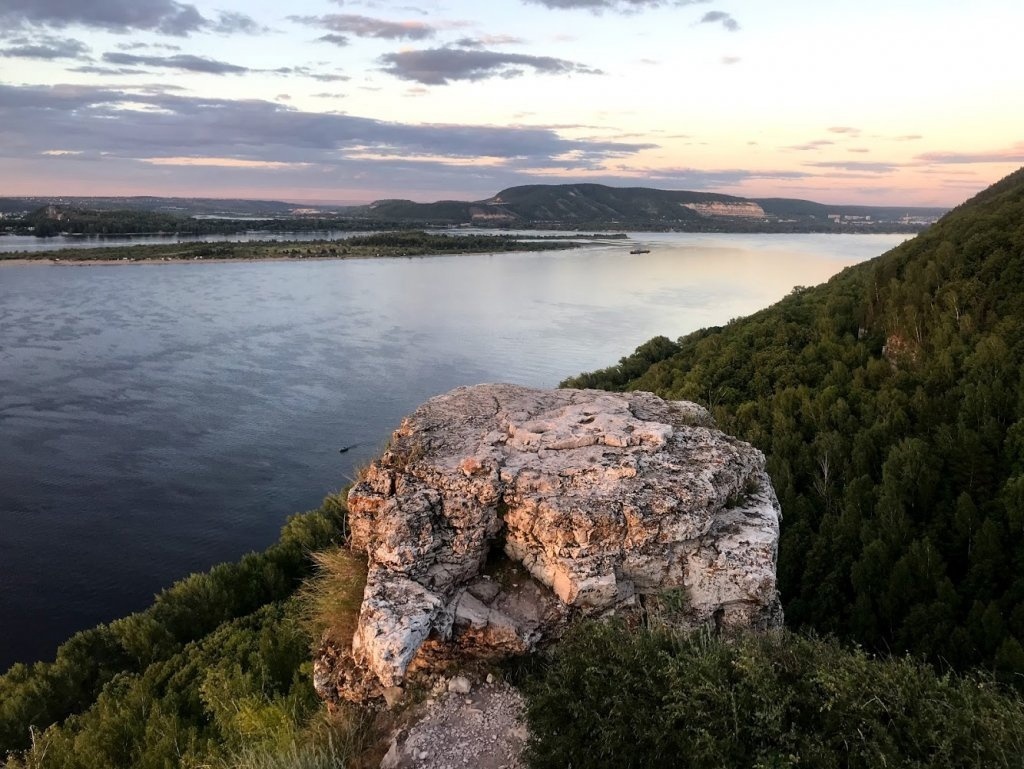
[(499, 513)]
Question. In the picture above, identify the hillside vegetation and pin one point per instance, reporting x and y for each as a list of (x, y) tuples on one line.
[(218, 663), (890, 404), (596, 206), (617, 698)]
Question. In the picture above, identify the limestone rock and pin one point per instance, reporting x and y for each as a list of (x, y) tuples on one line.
[(500, 512)]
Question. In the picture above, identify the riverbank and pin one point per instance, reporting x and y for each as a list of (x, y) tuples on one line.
[(72, 262), (380, 245)]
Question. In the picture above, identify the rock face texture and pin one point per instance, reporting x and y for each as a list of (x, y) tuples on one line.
[(500, 512)]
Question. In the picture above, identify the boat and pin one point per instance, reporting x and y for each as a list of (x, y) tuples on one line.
[(640, 251)]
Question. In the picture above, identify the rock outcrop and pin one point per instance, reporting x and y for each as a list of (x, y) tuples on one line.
[(500, 512)]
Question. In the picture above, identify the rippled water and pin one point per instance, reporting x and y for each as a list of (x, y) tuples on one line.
[(157, 419)]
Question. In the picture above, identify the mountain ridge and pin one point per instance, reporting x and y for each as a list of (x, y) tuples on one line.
[(569, 206), (536, 206)]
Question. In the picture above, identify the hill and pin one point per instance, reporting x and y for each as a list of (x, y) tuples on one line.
[(536, 206), (890, 403), (596, 206)]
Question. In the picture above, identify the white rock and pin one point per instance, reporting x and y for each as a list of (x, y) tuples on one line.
[(460, 685), (600, 497)]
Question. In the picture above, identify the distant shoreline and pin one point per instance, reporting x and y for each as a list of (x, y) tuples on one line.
[(51, 262), (379, 246)]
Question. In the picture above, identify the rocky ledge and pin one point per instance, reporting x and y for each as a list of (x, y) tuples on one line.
[(499, 513)]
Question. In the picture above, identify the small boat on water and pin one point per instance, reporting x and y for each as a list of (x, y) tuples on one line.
[(640, 251)]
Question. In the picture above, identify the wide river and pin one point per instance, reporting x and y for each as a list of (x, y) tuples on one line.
[(158, 419)]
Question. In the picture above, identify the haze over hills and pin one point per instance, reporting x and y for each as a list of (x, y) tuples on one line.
[(542, 206)]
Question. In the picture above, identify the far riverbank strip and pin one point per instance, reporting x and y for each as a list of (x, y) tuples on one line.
[(378, 245)]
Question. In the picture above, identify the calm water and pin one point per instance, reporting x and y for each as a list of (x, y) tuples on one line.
[(157, 419)]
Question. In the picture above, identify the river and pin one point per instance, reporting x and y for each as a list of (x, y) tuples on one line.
[(156, 419)]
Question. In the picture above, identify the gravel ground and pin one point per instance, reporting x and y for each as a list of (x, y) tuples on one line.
[(481, 728)]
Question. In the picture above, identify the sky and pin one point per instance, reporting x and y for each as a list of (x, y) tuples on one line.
[(877, 102)]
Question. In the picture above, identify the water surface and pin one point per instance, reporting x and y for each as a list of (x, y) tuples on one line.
[(157, 419)]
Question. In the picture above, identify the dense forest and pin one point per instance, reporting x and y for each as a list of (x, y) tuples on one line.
[(890, 405)]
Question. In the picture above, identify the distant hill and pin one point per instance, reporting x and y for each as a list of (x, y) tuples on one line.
[(890, 404), (597, 206), (173, 206), (535, 206)]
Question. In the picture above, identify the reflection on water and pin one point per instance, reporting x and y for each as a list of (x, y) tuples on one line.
[(156, 419)]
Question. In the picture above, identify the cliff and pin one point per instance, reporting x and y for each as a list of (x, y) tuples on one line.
[(501, 513)]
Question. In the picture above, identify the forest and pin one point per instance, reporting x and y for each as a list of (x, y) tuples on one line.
[(890, 405)]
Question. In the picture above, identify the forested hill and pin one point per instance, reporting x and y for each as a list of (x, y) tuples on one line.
[(890, 403), (597, 206)]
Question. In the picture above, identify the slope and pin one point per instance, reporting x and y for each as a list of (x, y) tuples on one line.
[(890, 403)]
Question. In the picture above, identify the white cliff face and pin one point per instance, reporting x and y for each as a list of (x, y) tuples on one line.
[(598, 499)]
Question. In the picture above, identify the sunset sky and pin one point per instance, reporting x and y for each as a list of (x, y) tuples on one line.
[(888, 102)]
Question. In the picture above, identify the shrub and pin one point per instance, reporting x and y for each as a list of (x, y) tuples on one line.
[(610, 697)]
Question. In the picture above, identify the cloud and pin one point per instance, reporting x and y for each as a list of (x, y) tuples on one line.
[(440, 66), (233, 23), (720, 17), (844, 129), (183, 62), (730, 60), (810, 146), (615, 6), (862, 166), (333, 37), (151, 125), (167, 16), (1014, 154), (45, 47), (366, 26), (145, 46), (485, 40), (93, 69), (703, 179), (326, 77)]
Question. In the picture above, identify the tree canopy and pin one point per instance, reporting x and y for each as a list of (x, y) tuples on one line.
[(890, 405)]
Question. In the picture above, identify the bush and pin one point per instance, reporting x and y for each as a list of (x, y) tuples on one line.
[(610, 697)]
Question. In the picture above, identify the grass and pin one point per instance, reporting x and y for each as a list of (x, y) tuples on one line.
[(332, 597), (351, 737)]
